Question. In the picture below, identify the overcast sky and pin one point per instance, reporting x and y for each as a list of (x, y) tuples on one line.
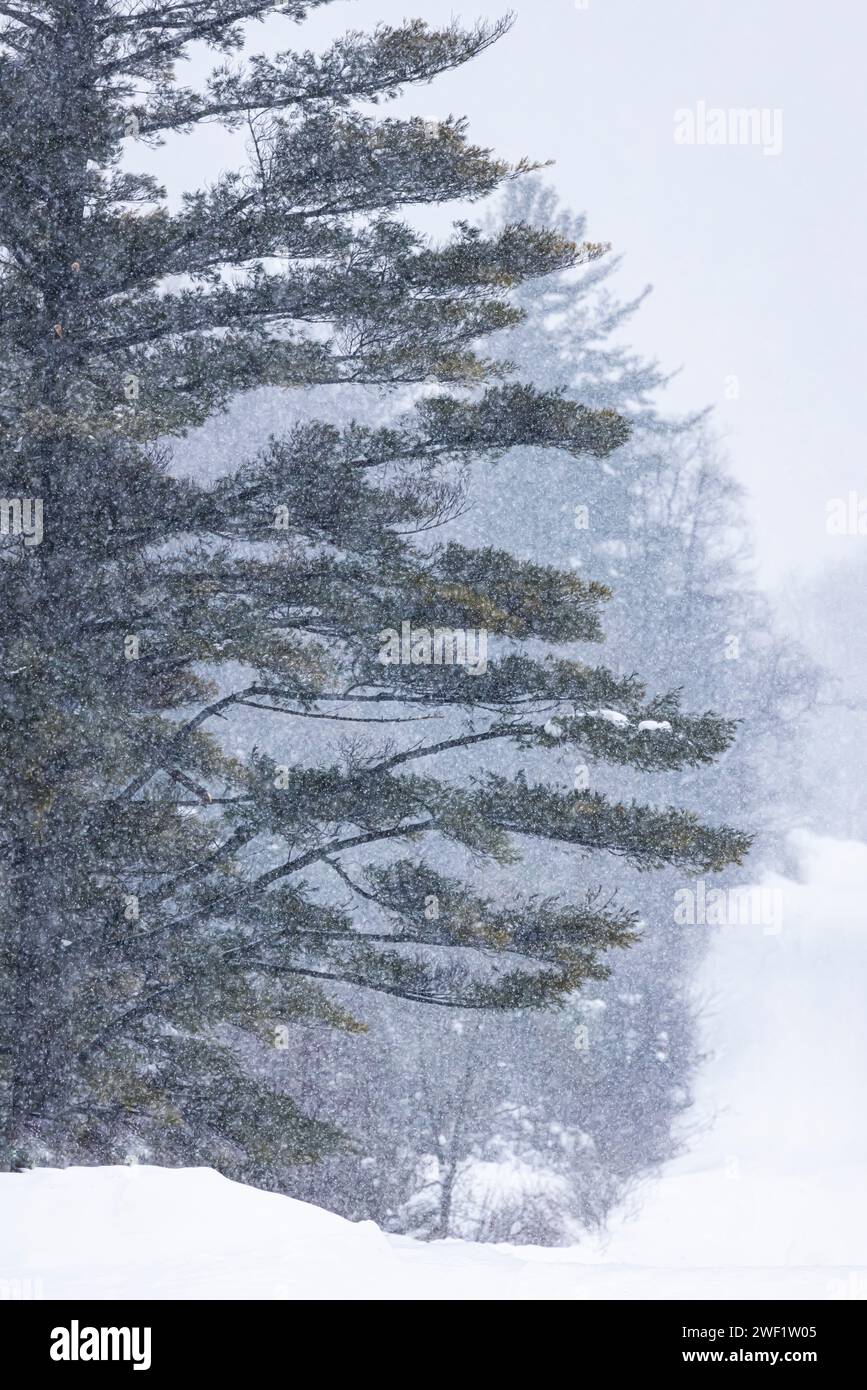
[(756, 259)]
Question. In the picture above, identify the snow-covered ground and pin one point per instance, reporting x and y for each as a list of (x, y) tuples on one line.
[(769, 1201)]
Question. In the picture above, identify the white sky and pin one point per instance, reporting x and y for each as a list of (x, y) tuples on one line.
[(757, 261)]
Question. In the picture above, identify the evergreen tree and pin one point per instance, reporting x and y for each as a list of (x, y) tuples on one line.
[(164, 903), (580, 1103)]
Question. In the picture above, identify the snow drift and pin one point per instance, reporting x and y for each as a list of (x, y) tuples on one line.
[(767, 1203)]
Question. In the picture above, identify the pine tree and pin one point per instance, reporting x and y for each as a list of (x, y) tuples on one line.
[(595, 1090), (163, 901)]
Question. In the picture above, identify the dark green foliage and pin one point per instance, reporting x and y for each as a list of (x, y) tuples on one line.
[(156, 931)]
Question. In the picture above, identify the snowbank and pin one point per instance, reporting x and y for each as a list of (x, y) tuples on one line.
[(141, 1232), (769, 1202)]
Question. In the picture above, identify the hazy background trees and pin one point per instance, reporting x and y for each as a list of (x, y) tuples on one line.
[(542, 1124)]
